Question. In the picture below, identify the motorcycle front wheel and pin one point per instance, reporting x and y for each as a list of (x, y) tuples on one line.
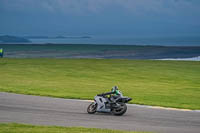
[(92, 108), (121, 110)]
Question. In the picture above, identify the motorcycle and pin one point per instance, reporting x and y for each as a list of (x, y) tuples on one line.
[(109, 104)]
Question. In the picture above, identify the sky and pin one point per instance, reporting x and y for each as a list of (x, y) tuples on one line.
[(100, 17)]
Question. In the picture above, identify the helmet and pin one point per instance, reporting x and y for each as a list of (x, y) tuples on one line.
[(114, 89)]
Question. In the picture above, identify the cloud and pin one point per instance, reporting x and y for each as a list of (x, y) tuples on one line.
[(62, 6), (105, 16), (85, 7), (159, 6)]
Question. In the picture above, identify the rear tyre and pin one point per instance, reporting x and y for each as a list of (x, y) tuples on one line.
[(92, 108), (121, 110)]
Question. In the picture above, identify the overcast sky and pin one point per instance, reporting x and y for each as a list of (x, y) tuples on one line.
[(100, 17)]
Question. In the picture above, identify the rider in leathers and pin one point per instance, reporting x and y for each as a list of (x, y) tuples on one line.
[(115, 93)]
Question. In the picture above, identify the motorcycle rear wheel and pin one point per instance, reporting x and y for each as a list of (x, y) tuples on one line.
[(121, 110), (92, 108)]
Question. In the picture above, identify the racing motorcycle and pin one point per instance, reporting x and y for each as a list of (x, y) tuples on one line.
[(112, 102)]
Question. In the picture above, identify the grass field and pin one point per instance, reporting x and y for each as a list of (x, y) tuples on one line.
[(22, 128), (161, 83)]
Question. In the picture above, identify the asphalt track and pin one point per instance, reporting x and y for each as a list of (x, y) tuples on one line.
[(63, 112)]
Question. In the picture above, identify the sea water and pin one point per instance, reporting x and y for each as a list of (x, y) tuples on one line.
[(126, 40)]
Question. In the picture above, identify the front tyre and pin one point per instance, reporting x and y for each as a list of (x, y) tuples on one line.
[(92, 108), (121, 110)]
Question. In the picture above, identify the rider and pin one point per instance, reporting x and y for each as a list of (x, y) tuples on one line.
[(114, 92)]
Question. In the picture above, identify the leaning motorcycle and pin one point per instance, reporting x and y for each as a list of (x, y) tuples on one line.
[(109, 104)]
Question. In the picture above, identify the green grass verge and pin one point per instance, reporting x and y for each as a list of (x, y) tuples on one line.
[(161, 83), (22, 128)]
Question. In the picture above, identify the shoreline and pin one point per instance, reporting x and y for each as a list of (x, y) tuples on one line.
[(100, 51), (197, 58)]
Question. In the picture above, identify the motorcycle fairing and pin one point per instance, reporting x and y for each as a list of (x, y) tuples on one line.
[(101, 104)]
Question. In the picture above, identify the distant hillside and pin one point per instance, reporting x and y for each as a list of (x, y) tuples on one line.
[(56, 37), (36, 37), (13, 39)]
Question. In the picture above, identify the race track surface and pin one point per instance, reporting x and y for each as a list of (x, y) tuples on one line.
[(63, 112)]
